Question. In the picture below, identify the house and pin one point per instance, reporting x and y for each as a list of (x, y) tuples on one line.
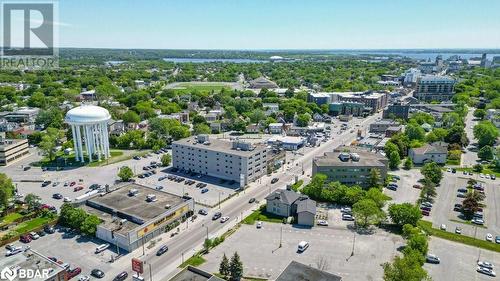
[(427, 153), (318, 117), (271, 108), (276, 128), (299, 271), (253, 129), (288, 203)]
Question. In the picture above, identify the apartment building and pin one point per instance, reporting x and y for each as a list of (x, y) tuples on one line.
[(237, 161), (12, 150), (435, 88)]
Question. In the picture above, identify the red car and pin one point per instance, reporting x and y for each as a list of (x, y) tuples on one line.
[(426, 213), (77, 188), (25, 238), (73, 272), (72, 183), (417, 186)]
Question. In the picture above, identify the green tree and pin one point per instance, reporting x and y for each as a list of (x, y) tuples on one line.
[(49, 141), (404, 268), (33, 201), (52, 117), (418, 242), (6, 191), (408, 163), (471, 203), (125, 173), (76, 218), (406, 213), (432, 171), (479, 113), (201, 129), (89, 225), (377, 196), (478, 168), (415, 132), (207, 244), (224, 268), (235, 268), (374, 180), (428, 190), (486, 133), (486, 153), (394, 160), (130, 117), (303, 119), (367, 213), (166, 159)]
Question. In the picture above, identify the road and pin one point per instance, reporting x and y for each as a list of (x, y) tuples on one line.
[(191, 238), (469, 158)]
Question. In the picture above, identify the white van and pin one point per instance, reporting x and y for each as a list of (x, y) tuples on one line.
[(101, 248), (303, 245)]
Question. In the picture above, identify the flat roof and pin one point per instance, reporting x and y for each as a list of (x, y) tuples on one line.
[(218, 145), (30, 259), (135, 206), (365, 159)]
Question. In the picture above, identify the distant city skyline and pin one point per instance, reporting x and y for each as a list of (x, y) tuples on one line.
[(280, 24)]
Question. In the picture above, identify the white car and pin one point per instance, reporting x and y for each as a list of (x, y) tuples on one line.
[(14, 250), (481, 175), (259, 224), (448, 170), (487, 176), (443, 227), (224, 219), (84, 278), (345, 210), (322, 223), (486, 271), (485, 264), (34, 235), (478, 221), (67, 199), (489, 237)]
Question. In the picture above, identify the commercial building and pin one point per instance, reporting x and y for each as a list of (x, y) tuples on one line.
[(23, 115), (133, 214), (237, 160), (261, 83), (191, 273), (287, 143), (298, 271), (31, 265), (350, 168), (320, 98), (411, 76), (382, 125), (12, 150), (435, 88), (288, 203), (397, 110)]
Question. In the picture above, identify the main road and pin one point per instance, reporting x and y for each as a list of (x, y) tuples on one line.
[(191, 237)]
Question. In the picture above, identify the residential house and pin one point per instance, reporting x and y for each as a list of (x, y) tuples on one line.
[(428, 153), (288, 203)]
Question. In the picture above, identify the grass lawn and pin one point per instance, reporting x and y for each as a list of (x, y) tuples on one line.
[(28, 226), (427, 227), (297, 185), (188, 87), (469, 223), (10, 218), (69, 160), (118, 156), (262, 215), (195, 260), (486, 170)]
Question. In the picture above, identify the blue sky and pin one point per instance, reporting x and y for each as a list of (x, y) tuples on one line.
[(279, 24)]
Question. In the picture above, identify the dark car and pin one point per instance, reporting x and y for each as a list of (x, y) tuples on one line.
[(97, 273), (203, 212), (205, 190), (274, 180), (49, 229), (216, 216), (120, 277), (74, 272), (425, 213), (27, 168), (137, 158), (78, 188), (453, 171), (457, 207), (163, 249), (57, 196), (46, 183), (94, 186), (251, 200), (41, 233), (425, 208), (392, 187), (25, 238)]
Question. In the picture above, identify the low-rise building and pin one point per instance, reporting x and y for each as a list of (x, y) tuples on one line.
[(31, 265), (382, 125), (287, 143), (261, 83), (12, 150), (276, 128), (397, 110), (428, 153), (237, 161), (350, 166), (23, 115), (298, 271), (288, 203)]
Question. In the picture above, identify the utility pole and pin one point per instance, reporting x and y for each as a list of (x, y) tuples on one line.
[(281, 236), (219, 200), (150, 272), (353, 243)]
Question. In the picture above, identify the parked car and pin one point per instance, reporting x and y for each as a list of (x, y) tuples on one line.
[(392, 187), (485, 264), (49, 229), (458, 230), (457, 207), (77, 188), (486, 271), (489, 237), (67, 199), (462, 190), (252, 200), (461, 195), (425, 208), (417, 186), (224, 219), (203, 212), (97, 273), (347, 217), (493, 177), (259, 224), (162, 250), (57, 196), (497, 239), (430, 258), (120, 277), (477, 221), (426, 213), (14, 250), (84, 278), (345, 210), (25, 238), (216, 216), (274, 180), (205, 190), (73, 272), (322, 223), (34, 235), (426, 204)]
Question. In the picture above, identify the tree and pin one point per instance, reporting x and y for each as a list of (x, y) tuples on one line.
[(406, 213), (33, 201), (125, 173), (479, 113), (478, 168), (89, 225), (166, 159), (49, 141), (415, 132), (374, 179), (235, 268), (432, 171), (486, 133), (130, 117), (224, 268), (207, 244), (303, 119), (486, 153), (367, 213), (428, 190), (406, 268), (6, 191), (408, 163), (201, 129), (471, 203), (418, 242), (377, 196), (394, 160), (52, 117)]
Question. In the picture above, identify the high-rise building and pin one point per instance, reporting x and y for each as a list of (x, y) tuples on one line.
[(435, 88)]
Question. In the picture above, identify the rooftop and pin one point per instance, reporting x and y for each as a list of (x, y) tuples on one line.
[(366, 158), (87, 114), (300, 272), (218, 145), (30, 259), (427, 148), (194, 274)]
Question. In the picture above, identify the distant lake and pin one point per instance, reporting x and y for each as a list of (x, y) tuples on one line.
[(200, 60), (410, 54)]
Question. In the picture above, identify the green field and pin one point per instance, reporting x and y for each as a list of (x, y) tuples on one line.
[(69, 160), (195, 260), (262, 215), (187, 87), (28, 226), (10, 218)]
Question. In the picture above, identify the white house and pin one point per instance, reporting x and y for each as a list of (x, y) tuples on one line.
[(428, 153)]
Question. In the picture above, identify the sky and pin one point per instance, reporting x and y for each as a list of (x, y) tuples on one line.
[(279, 24)]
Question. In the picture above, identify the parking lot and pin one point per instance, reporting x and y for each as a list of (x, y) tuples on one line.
[(458, 261), (405, 192), (443, 213), (76, 250), (261, 256)]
